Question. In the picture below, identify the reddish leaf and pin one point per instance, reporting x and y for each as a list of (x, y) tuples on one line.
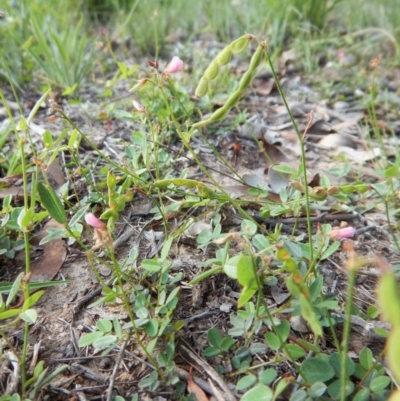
[(195, 389)]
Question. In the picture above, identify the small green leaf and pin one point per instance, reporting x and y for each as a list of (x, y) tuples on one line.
[(172, 295), (32, 299), (29, 316), (152, 327), (272, 341), (9, 313), (248, 227), (151, 345), (295, 351), (25, 218), (52, 203), (261, 242), (38, 369), (47, 139), (334, 389), (245, 271), (117, 327), (267, 376), (334, 360), (379, 383), (151, 265), (246, 382), (362, 395), (104, 325), (245, 296), (14, 289), (258, 393), (366, 358), (316, 370), (105, 341), (309, 315), (211, 351), (331, 250), (227, 343), (317, 389), (230, 267), (283, 329), (299, 395), (89, 338), (214, 337), (285, 169), (257, 348)]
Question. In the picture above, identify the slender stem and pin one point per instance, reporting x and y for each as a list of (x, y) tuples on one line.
[(303, 159), (346, 333)]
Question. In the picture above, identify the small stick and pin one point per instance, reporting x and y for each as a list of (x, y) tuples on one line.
[(115, 370), (88, 373), (229, 396)]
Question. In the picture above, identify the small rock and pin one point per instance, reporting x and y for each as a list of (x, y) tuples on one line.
[(299, 324)]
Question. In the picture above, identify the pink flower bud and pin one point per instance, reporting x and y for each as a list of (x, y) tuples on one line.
[(175, 65), (347, 232), (93, 221), (138, 106)]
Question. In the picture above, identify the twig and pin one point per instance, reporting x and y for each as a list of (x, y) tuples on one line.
[(92, 294), (12, 384), (321, 218), (229, 396), (182, 374), (115, 370), (35, 356), (88, 373), (218, 395), (79, 393), (200, 315)]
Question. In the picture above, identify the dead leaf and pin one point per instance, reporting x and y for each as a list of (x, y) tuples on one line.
[(256, 180), (359, 156), (52, 257), (10, 180), (277, 180), (264, 87), (56, 174), (332, 141), (195, 389), (16, 192), (274, 154)]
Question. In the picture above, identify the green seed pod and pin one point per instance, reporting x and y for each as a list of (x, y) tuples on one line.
[(219, 114), (233, 99), (246, 80), (257, 57), (239, 45), (389, 299), (211, 71), (224, 56), (202, 87)]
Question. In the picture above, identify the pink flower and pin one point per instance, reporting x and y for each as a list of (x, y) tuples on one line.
[(93, 221), (340, 233), (175, 65), (138, 106)]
